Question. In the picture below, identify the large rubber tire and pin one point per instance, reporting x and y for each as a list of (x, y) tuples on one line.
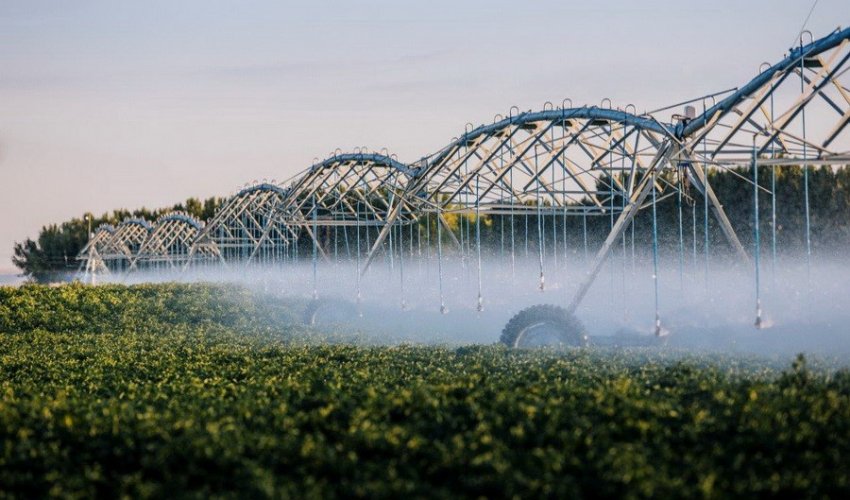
[(329, 311), (547, 320)]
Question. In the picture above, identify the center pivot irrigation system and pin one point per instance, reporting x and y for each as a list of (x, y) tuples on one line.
[(527, 176)]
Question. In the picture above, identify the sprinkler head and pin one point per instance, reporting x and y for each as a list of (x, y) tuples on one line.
[(480, 307), (542, 286), (444, 309), (660, 331), (761, 323)]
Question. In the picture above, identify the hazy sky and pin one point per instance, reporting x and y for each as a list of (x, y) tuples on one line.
[(114, 104)]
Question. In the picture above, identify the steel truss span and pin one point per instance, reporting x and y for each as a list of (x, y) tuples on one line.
[(169, 244), (245, 229), (562, 162)]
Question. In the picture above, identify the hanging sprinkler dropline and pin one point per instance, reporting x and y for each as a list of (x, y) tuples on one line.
[(315, 250), (443, 309), (554, 217), (806, 169), (756, 235), (391, 249), (772, 199), (540, 234), (705, 204), (584, 231), (401, 269), (623, 237), (513, 244), (694, 230), (611, 214), (681, 230), (658, 330), (480, 303), (357, 224)]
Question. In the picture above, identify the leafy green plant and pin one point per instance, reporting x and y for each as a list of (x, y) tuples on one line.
[(178, 390)]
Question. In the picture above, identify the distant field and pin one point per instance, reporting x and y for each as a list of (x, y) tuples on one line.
[(10, 279), (173, 390)]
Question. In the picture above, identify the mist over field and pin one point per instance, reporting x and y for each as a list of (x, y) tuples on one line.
[(804, 307)]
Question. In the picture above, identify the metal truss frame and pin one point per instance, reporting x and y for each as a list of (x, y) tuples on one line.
[(119, 251), (557, 161), (568, 160), (246, 229), (349, 189), (169, 244)]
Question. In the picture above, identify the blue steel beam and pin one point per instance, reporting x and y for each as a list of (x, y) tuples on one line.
[(583, 113), (788, 63), (379, 159)]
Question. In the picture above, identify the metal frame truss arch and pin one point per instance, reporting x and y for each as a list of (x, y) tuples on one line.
[(349, 189), (169, 244), (121, 249), (572, 158), (551, 162), (245, 229)]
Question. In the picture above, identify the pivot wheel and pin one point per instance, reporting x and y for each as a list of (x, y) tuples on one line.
[(329, 312), (544, 325)]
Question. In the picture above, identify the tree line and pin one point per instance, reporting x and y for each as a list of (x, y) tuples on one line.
[(52, 255)]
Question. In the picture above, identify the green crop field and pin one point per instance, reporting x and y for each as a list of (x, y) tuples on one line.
[(196, 390)]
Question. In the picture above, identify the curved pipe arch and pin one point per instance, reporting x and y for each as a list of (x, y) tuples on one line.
[(587, 113), (179, 217), (380, 175), (377, 158), (135, 221), (261, 187)]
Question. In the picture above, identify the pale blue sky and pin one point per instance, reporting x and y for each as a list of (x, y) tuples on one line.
[(110, 104)]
